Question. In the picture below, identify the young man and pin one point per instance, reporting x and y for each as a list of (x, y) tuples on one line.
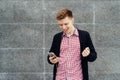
[(73, 49)]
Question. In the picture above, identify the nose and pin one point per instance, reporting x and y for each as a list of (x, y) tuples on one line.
[(63, 27)]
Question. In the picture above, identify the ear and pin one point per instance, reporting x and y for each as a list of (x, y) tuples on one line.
[(73, 20)]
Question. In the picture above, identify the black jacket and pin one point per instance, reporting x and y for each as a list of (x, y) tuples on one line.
[(85, 41)]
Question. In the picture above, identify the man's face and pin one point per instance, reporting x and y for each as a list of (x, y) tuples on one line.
[(66, 24)]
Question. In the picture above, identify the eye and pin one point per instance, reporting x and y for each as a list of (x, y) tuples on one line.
[(66, 23)]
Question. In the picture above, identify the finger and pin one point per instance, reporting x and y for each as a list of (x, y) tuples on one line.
[(54, 60), (85, 53), (88, 48), (51, 57)]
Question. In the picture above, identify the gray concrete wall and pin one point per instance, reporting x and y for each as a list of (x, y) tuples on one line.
[(27, 28)]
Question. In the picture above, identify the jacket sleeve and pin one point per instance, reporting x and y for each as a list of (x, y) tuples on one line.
[(93, 55), (52, 49)]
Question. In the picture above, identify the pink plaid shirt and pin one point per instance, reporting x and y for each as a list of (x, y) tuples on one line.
[(69, 67)]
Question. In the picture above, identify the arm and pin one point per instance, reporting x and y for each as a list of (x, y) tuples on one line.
[(93, 55), (53, 49), (89, 52)]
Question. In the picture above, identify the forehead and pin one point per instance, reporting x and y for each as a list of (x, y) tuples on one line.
[(65, 20)]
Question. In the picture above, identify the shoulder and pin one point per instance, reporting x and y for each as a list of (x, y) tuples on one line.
[(58, 35), (83, 32)]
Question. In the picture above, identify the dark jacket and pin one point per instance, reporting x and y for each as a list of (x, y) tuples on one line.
[(85, 41)]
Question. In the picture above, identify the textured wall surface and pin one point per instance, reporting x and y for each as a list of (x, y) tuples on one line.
[(27, 28)]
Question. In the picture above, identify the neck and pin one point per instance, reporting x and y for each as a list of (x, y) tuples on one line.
[(71, 31)]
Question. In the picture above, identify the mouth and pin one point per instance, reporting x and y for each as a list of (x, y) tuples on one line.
[(65, 30)]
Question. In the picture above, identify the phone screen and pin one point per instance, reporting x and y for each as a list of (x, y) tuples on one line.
[(51, 54)]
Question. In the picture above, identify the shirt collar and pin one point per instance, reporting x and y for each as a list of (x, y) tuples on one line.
[(74, 33)]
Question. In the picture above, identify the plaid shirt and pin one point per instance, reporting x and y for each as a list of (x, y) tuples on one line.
[(69, 67)]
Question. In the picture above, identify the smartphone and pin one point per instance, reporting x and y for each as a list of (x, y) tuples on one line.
[(51, 54)]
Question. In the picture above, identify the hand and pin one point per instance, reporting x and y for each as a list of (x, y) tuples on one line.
[(54, 60), (86, 52)]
